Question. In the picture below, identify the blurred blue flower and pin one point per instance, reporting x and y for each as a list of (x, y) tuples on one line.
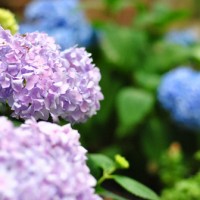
[(185, 37), (61, 19), (179, 93)]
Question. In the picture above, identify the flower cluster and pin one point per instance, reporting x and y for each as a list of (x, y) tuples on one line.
[(179, 93), (43, 161), (8, 21), (37, 80), (61, 19), (184, 37)]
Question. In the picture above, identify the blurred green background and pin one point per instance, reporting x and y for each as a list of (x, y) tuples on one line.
[(133, 55)]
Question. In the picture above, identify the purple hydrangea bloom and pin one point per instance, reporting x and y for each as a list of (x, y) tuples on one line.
[(43, 161), (37, 80), (83, 77), (179, 94)]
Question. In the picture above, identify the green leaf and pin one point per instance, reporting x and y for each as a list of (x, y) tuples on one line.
[(17, 123), (165, 56), (160, 16), (109, 194), (197, 156), (107, 106), (195, 52), (112, 150), (114, 5), (124, 48), (146, 80), (132, 106), (102, 161), (135, 187), (155, 131), (164, 15)]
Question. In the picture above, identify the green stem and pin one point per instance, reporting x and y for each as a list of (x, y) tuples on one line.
[(106, 175), (103, 178)]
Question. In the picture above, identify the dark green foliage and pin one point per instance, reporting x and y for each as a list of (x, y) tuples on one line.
[(132, 60), (132, 106), (109, 167)]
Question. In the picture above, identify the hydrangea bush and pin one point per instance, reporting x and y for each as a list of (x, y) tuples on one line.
[(61, 19)]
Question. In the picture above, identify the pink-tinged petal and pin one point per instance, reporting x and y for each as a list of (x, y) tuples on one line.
[(5, 83), (17, 84)]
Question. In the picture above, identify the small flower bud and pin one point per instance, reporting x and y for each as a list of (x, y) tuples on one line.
[(121, 161)]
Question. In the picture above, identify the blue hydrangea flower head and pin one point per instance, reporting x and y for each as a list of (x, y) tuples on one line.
[(64, 20), (179, 94), (54, 11), (183, 37)]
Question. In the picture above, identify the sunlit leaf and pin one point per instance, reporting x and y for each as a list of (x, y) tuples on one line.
[(108, 194), (102, 161), (123, 47), (132, 106)]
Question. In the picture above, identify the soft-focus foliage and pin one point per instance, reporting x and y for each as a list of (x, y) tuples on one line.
[(187, 189), (172, 165), (136, 61)]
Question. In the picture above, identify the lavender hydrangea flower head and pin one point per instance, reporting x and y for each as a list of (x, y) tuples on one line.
[(63, 20), (37, 80), (43, 161), (83, 77), (179, 93)]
